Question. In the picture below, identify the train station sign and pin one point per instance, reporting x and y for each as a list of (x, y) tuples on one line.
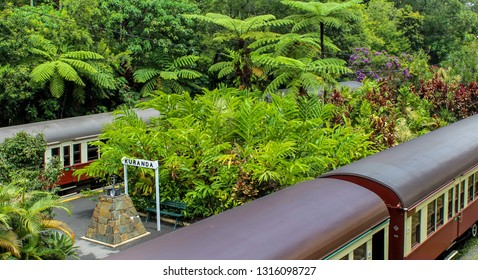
[(140, 163), (144, 163)]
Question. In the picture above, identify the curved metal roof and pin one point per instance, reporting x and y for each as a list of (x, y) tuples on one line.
[(307, 221), (419, 167), (70, 128)]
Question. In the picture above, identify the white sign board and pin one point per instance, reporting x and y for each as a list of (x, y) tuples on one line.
[(140, 163)]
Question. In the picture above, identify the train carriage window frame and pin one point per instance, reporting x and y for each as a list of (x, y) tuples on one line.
[(77, 153), (476, 186), (92, 151), (416, 238), (462, 194), (450, 203), (471, 188), (440, 213), (66, 155), (431, 217)]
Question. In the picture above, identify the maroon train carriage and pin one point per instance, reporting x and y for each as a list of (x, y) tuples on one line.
[(70, 139), (429, 185), (317, 219)]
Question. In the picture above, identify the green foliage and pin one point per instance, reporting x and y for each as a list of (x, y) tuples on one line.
[(463, 61), (21, 159), (27, 230), (228, 147)]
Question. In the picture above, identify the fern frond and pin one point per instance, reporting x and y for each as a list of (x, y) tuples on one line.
[(79, 65), (184, 61), (103, 80), (79, 95), (144, 75), (150, 86), (43, 72), (82, 55), (188, 74), (68, 73), (168, 75), (57, 86), (41, 53)]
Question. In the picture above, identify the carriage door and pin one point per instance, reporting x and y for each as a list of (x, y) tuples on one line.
[(459, 205), (452, 211)]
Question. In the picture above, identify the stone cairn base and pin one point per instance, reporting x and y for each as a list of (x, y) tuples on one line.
[(115, 222)]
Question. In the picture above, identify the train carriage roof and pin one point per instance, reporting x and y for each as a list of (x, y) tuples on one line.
[(417, 168), (70, 128), (306, 221)]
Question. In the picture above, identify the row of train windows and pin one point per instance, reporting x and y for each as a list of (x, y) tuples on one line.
[(455, 201), (74, 152), (359, 253)]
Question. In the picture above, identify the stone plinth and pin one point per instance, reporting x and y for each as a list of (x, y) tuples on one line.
[(115, 222)]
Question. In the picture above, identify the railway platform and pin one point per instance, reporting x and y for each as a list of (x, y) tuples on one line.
[(81, 212)]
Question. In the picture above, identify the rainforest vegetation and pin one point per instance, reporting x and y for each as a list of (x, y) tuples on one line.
[(251, 92)]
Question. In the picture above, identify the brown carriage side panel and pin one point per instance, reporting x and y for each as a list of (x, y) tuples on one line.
[(436, 243), (468, 217)]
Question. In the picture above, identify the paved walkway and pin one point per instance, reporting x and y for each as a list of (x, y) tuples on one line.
[(82, 211)]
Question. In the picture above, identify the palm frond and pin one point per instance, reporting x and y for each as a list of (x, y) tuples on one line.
[(10, 242), (59, 225)]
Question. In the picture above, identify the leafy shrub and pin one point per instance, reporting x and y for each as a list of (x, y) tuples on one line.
[(227, 147)]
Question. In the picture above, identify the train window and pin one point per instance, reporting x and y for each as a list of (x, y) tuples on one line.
[(361, 252), (476, 186), (66, 156), (55, 151), (92, 151), (450, 203), (77, 153), (455, 198), (471, 187), (440, 210), (416, 228), (462, 195), (344, 258), (431, 217)]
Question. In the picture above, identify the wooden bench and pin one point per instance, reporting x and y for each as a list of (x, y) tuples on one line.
[(169, 208)]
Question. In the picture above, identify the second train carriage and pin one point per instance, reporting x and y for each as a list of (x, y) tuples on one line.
[(429, 185), (70, 139), (317, 219)]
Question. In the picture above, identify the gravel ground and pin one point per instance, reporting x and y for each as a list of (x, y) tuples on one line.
[(471, 252)]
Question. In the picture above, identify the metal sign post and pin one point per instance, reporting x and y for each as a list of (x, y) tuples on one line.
[(145, 164)]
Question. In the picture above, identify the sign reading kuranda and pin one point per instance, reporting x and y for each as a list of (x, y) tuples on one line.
[(145, 164), (140, 163)]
